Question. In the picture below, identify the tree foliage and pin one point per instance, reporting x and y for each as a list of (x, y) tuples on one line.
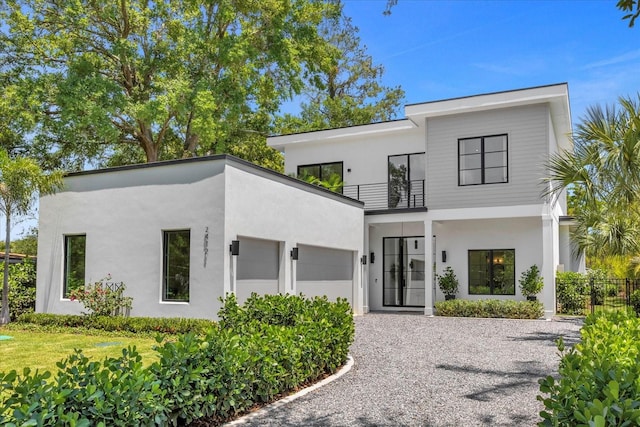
[(631, 8), (604, 170), (347, 90), (133, 80), (20, 179)]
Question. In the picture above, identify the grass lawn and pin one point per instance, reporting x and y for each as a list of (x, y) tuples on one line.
[(41, 350)]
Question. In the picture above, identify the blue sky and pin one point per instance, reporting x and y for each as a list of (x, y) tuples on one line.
[(444, 49)]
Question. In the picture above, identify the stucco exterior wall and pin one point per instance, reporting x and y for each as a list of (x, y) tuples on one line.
[(275, 210), (366, 155), (123, 214)]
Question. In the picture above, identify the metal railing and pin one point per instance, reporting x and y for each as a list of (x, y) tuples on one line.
[(583, 295), (384, 195)]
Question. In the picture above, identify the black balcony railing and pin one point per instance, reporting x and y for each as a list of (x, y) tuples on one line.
[(384, 195)]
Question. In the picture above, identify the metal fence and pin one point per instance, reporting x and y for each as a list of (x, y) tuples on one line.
[(598, 294)]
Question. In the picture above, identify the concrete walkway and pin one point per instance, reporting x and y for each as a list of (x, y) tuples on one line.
[(413, 370)]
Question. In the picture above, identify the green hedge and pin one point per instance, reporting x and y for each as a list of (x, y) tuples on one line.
[(271, 346), (490, 308), (572, 292), (599, 378), (117, 323)]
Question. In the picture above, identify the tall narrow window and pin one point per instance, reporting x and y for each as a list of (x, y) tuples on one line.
[(406, 174), (176, 249), (492, 272), (74, 263), (483, 160)]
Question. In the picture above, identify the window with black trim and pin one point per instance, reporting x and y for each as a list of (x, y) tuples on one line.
[(492, 272), (74, 263), (483, 160), (329, 173), (175, 278)]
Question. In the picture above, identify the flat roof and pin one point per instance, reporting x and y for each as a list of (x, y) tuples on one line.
[(556, 95), (230, 160)]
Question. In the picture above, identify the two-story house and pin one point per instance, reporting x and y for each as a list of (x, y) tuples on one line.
[(458, 183)]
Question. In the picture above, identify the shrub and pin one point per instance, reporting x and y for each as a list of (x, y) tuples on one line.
[(448, 282), (571, 292), (103, 298), (117, 324), (22, 288), (531, 282), (599, 378), (490, 308), (272, 345)]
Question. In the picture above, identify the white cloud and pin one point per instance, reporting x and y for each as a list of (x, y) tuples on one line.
[(619, 59)]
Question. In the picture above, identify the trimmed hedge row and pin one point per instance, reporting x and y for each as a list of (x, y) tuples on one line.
[(490, 308), (271, 346), (118, 323), (599, 381)]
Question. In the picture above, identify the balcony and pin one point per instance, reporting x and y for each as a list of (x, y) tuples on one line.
[(386, 196)]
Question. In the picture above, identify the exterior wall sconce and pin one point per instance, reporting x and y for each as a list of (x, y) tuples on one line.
[(444, 256), (294, 254), (372, 257), (234, 247), (363, 260)]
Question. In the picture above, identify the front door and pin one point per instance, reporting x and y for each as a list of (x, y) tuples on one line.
[(403, 265)]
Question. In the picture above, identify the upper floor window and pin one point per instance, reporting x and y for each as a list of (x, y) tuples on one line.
[(406, 174), (322, 171), (482, 160), (330, 175), (176, 249), (74, 263)]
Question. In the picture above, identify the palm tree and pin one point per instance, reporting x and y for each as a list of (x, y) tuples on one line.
[(604, 168), (20, 179)]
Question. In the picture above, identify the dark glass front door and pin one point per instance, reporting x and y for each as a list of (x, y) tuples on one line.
[(403, 283)]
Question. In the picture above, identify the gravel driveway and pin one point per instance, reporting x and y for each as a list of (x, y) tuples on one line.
[(413, 370)]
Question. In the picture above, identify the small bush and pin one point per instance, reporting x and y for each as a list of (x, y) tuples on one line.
[(599, 378), (448, 282), (103, 298), (490, 308), (22, 288), (572, 290), (118, 324)]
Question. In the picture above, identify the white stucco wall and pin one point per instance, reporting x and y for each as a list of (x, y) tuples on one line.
[(123, 214), (124, 211), (366, 155), (292, 213)]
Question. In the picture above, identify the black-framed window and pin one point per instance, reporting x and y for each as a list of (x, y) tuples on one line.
[(75, 247), (176, 246), (406, 175), (322, 171), (483, 160), (492, 272)]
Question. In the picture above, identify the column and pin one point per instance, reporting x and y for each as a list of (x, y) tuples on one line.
[(429, 268)]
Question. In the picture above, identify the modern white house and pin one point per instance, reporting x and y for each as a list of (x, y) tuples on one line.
[(181, 234), (458, 183)]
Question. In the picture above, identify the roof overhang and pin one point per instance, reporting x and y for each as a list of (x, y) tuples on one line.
[(556, 96), (279, 142)]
